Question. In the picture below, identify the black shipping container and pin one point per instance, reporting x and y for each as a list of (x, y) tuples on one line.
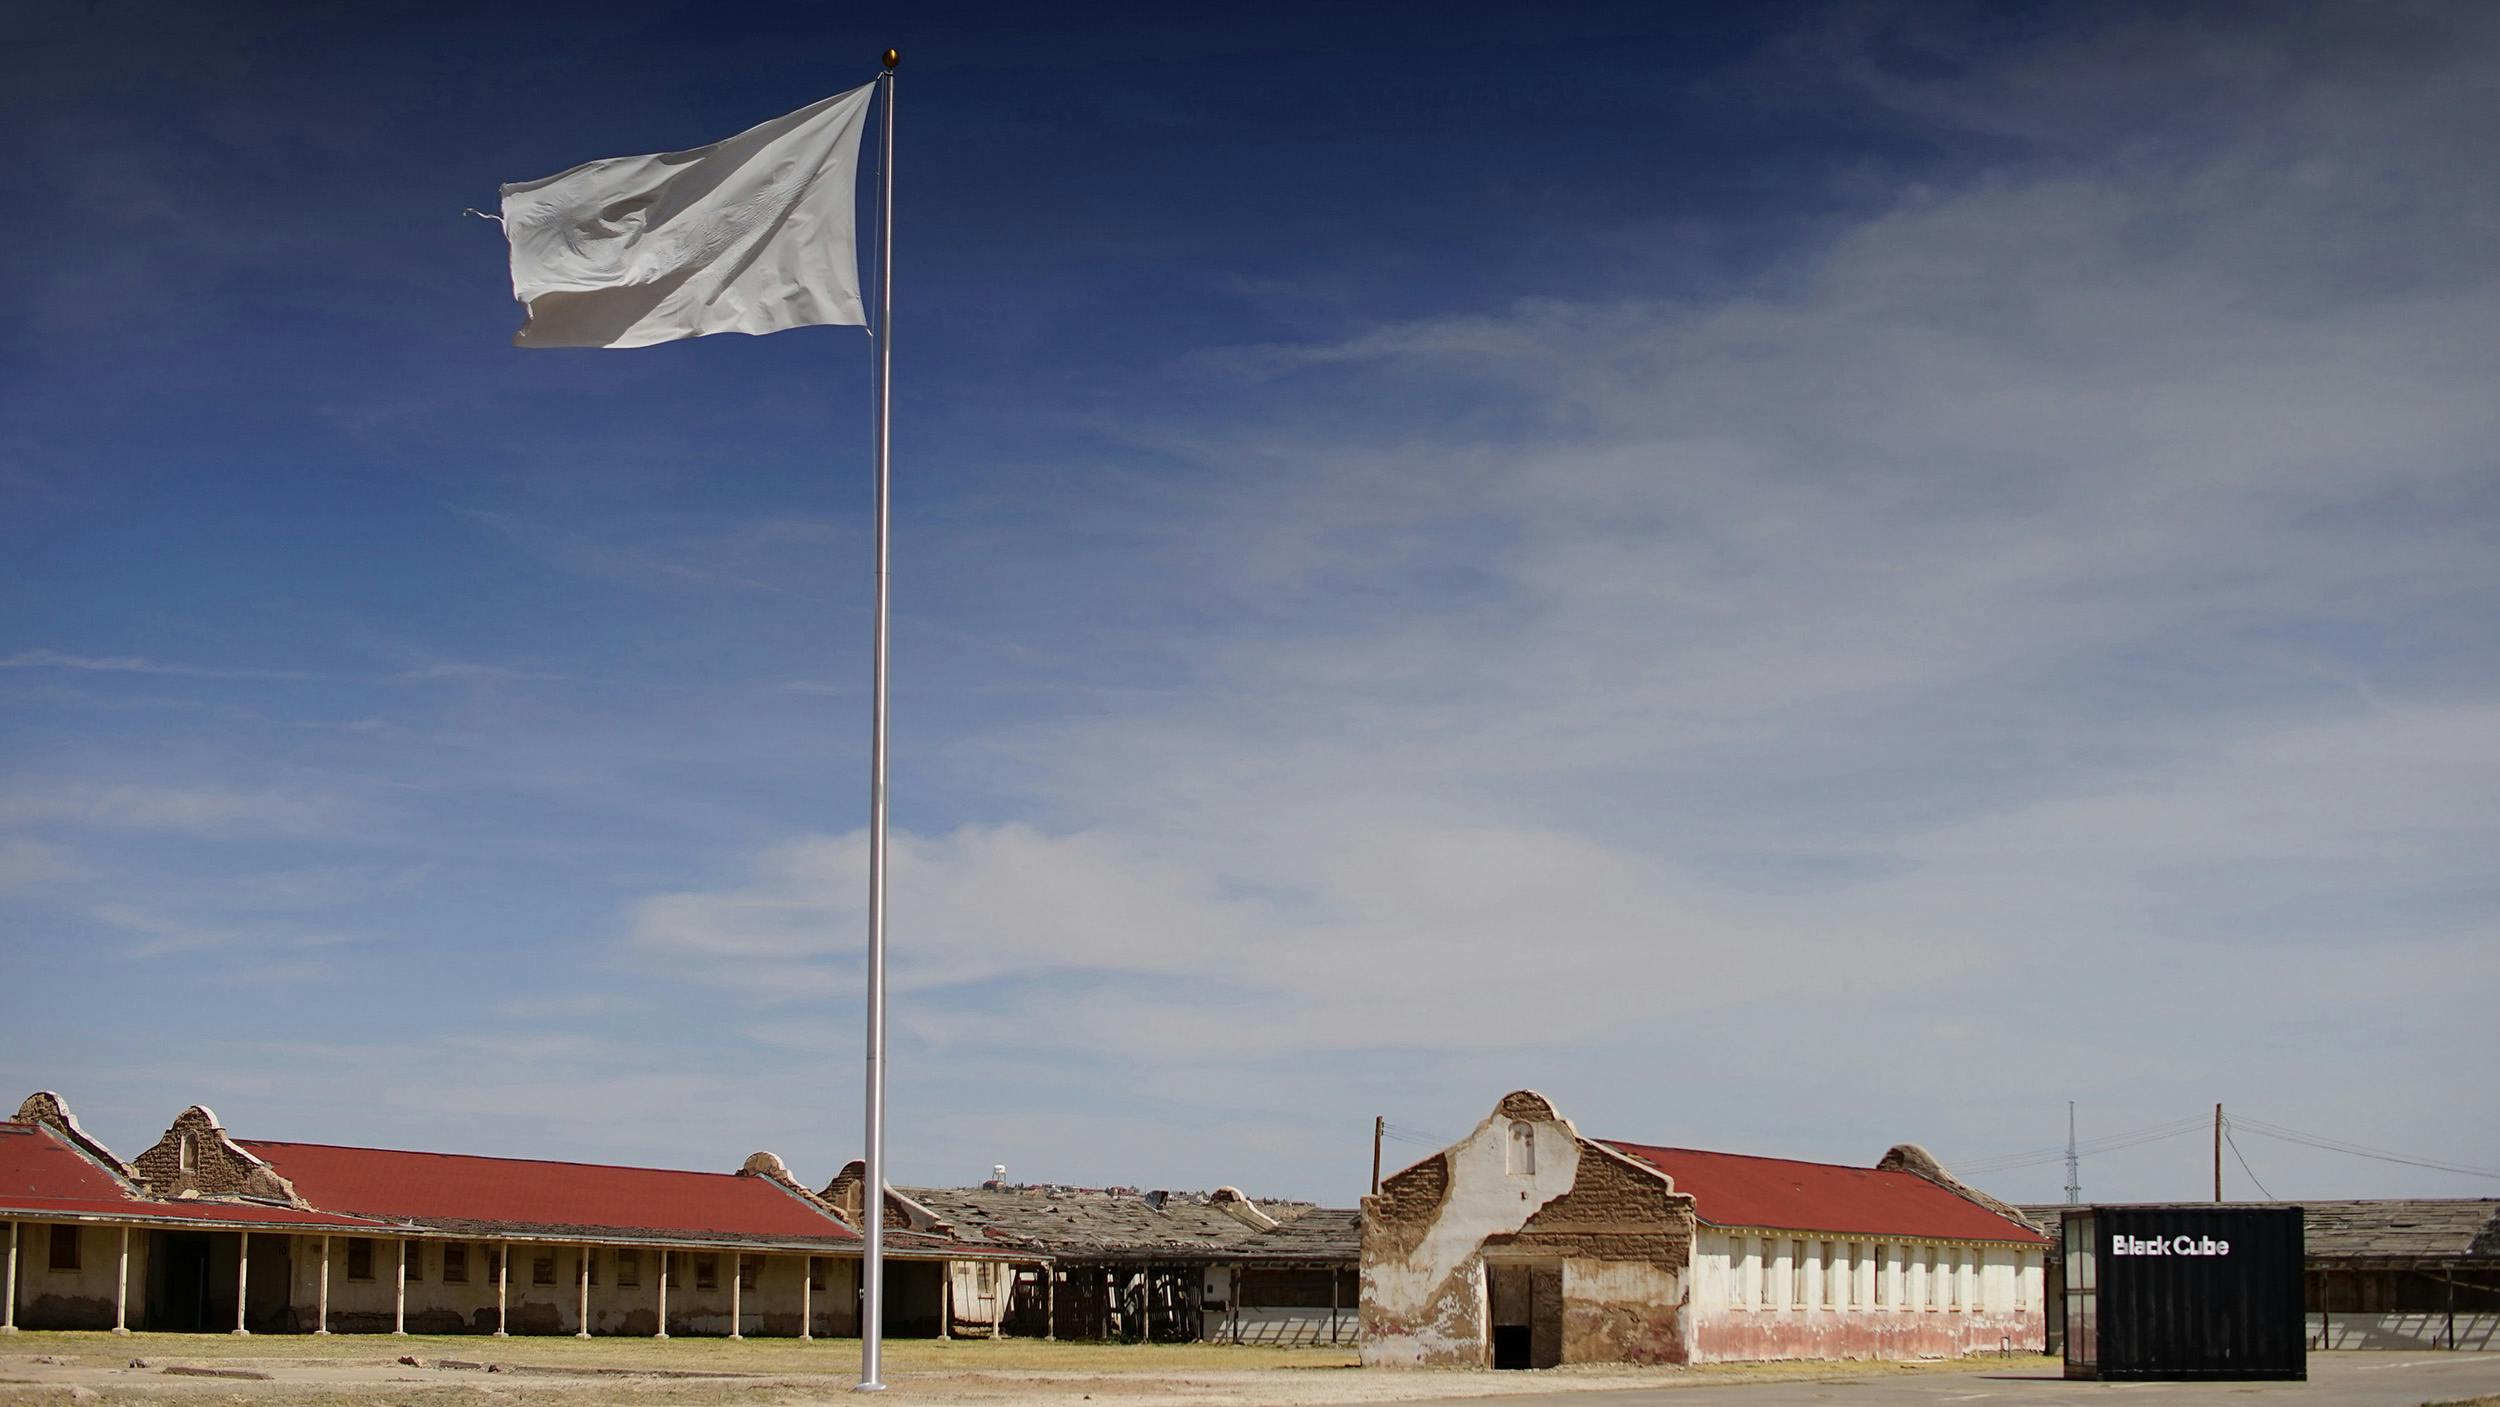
[(2188, 1291)]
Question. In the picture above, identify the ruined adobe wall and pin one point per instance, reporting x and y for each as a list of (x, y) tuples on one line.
[(1879, 1301), (51, 1111), (1625, 1242), (217, 1165), (1918, 1162), (1606, 1241)]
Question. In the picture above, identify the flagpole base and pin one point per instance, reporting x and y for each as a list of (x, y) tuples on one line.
[(868, 1387)]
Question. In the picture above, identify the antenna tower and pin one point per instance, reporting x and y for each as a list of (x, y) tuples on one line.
[(2074, 1164)]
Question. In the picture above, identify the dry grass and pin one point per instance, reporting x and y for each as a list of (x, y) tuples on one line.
[(568, 1372), (757, 1355)]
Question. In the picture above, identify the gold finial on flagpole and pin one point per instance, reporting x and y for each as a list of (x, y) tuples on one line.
[(893, 57)]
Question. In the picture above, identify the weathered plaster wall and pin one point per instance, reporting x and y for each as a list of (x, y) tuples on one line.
[(1879, 1300), (438, 1306), (80, 1298), (1525, 1189)]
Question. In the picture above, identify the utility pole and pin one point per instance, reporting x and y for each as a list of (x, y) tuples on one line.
[(1380, 1126), (2074, 1164), (2217, 1152)]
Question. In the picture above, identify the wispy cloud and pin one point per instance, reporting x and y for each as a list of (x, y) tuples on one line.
[(2089, 558), (474, 672), (137, 664), (196, 810), (26, 862), (164, 936)]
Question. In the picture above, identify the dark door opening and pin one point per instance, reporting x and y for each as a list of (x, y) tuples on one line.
[(178, 1292), (1525, 1311)]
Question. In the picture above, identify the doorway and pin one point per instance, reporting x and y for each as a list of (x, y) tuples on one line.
[(181, 1293), (1524, 1315)]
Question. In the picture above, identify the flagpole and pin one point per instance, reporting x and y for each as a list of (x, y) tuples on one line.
[(872, 1188)]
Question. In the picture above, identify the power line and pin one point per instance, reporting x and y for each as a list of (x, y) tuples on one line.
[(2336, 1145), (2107, 1143), (2244, 1167)]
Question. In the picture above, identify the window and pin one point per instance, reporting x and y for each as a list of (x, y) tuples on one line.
[(590, 1265), (1857, 1263), (2022, 1280), (749, 1267), (64, 1248), (456, 1263), (543, 1269), (1934, 1277), (1954, 1270), (707, 1272), (1831, 1276), (412, 1256), (190, 1155), (1737, 1298), (1796, 1275), (1883, 1263), (494, 1263), (359, 1258), (669, 1266), (815, 1272), (1522, 1155), (1762, 1273), (628, 1268)]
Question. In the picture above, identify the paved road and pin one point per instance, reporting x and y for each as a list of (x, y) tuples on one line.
[(2335, 1380)]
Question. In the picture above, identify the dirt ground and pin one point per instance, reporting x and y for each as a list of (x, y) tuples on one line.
[(209, 1371)]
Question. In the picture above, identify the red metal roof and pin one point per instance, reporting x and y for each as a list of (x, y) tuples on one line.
[(42, 1173), (521, 1192), (1735, 1189), (38, 1166)]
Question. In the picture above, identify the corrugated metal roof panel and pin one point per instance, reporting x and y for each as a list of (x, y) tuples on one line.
[(525, 1194), (1738, 1189)]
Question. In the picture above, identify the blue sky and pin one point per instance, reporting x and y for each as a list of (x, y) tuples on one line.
[(1793, 576)]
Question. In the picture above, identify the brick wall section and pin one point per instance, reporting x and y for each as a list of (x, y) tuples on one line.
[(1396, 1217), (218, 1167)]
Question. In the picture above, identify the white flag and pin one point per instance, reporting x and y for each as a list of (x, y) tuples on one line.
[(754, 234)]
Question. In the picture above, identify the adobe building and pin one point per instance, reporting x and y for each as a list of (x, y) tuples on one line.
[(1527, 1245), (207, 1232), (1120, 1263)]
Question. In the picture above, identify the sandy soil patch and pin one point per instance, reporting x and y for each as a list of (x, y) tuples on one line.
[(333, 1372)]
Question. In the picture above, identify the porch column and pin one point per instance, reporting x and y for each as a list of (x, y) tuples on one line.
[(663, 1328), (324, 1326), (946, 1299), (737, 1289), (8, 1291), (242, 1281), (1050, 1301), (399, 1292), (1332, 1304), (1146, 1305), (503, 1287), (807, 1297), (121, 1288), (582, 1328)]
